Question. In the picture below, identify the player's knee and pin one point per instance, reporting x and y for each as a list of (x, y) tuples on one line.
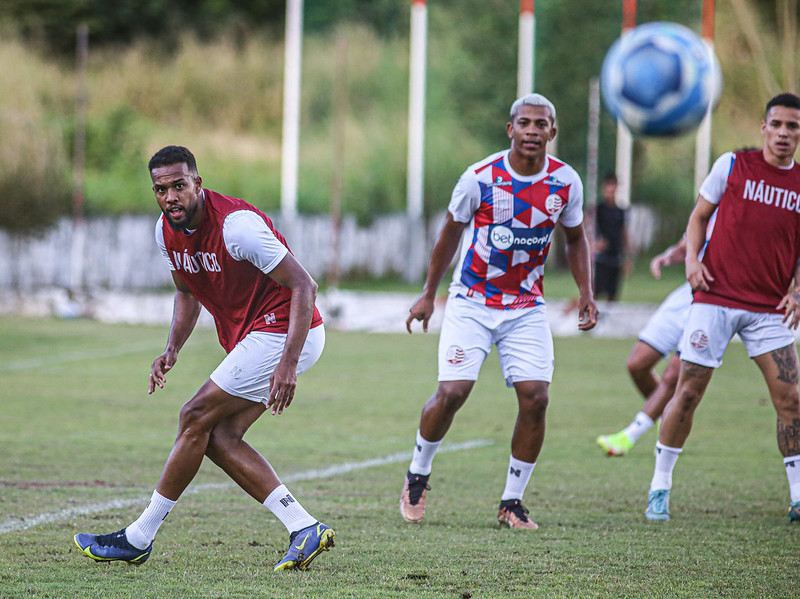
[(787, 405), (194, 418), (637, 367), (451, 397), (533, 403), (220, 441)]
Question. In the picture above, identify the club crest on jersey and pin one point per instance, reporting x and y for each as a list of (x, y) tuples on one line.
[(553, 203)]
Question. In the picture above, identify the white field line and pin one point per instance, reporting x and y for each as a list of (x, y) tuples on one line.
[(43, 361), (15, 524)]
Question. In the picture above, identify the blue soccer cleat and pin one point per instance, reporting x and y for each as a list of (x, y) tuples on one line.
[(794, 511), (305, 545), (111, 547), (658, 505)]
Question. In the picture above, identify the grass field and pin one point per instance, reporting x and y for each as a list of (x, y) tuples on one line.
[(82, 446)]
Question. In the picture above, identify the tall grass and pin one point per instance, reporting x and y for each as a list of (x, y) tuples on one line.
[(222, 97)]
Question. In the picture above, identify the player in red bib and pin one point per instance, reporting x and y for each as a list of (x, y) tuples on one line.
[(745, 284), (226, 256), (503, 212)]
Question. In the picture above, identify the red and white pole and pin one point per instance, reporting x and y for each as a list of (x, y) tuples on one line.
[(702, 149), (290, 145), (416, 107), (624, 139), (527, 48)]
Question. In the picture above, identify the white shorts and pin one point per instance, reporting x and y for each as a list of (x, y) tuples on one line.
[(664, 329), (246, 370), (469, 329), (710, 328)]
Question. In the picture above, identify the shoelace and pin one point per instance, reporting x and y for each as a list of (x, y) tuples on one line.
[(518, 510), (416, 484), (114, 539)]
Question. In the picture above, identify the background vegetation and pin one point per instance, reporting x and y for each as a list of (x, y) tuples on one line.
[(209, 74)]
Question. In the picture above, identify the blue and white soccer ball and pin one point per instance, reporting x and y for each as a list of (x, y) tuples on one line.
[(660, 79)]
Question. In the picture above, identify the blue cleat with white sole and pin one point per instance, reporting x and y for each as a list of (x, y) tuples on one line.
[(305, 545), (794, 511), (658, 505), (111, 547)]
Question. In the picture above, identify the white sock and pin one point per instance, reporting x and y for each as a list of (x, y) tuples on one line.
[(519, 473), (288, 510), (142, 532), (665, 463), (792, 464), (640, 425), (423, 456)]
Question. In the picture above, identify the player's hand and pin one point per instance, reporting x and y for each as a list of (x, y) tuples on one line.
[(656, 264), (282, 385), (698, 276), (790, 305), (158, 371), (422, 309), (587, 313)]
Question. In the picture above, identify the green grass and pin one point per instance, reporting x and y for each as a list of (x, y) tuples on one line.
[(78, 427)]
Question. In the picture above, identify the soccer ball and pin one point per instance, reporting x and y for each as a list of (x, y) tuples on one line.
[(660, 79)]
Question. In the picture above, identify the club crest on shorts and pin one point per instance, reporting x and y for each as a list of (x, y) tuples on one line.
[(699, 340), (455, 355)]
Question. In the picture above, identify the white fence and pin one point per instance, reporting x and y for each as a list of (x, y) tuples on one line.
[(119, 254)]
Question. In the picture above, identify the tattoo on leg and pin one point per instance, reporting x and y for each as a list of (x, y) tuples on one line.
[(789, 438), (692, 369), (785, 359)]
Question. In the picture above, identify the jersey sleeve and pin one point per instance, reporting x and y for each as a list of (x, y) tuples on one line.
[(573, 212), (716, 182), (466, 197), (162, 247), (247, 237)]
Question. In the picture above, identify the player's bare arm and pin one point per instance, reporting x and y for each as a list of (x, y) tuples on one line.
[(441, 256), (579, 260), (185, 311), (696, 273), (674, 254), (283, 382)]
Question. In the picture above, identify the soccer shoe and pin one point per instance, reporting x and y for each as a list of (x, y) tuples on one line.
[(512, 514), (111, 547), (794, 511), (305, 545), (658, 505), (617, 444), (412, 499)]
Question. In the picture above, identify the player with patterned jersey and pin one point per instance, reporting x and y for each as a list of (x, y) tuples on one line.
[(744, 284), (502, 213), (227, 256)]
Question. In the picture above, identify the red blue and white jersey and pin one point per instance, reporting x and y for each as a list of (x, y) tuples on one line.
[(512, 218), (755, 245)]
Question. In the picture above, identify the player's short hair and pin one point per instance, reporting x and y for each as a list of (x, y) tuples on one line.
[(786, 99), (533, 100), (610, 177), (173, 155)]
